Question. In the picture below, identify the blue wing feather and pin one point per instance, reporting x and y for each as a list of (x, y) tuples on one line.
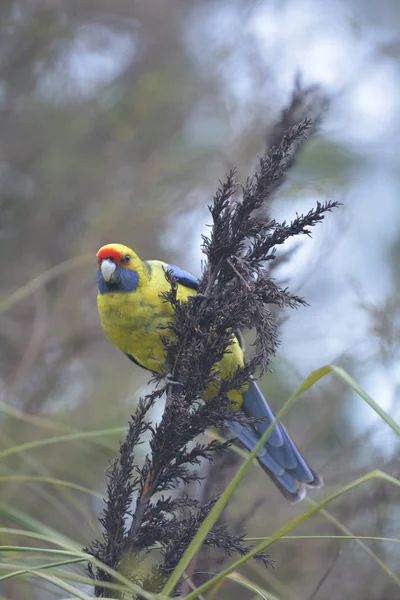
[(183, 277), (279, 456)]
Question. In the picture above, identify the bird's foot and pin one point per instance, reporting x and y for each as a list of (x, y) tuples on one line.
[(171, 381), (198, 297)]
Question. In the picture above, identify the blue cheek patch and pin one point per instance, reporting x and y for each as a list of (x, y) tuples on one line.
[(127, 281)]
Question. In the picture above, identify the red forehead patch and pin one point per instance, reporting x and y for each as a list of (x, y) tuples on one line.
[(109, 252)]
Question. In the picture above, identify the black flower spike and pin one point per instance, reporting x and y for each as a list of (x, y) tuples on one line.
[(234, 293)]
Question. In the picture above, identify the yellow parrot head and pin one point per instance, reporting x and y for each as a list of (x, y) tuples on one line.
[(118, 269)]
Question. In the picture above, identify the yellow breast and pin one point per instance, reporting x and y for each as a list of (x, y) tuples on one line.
[(134, 322)]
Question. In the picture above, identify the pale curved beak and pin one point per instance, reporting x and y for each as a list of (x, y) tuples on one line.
[(108, 270)]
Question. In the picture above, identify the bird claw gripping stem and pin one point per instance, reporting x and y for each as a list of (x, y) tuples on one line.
[(171, 381), (198, 298)]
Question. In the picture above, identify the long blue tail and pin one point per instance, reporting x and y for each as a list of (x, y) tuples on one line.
[(279, 457)]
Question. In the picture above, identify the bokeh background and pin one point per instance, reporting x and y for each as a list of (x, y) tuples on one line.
[(117, 119)]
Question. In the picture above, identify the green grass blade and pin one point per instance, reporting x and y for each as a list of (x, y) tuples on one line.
[(9, 548), (7, 531), (245, 582), (348, 533), (326, 537), (45, 423), (58, 439), (31, 419), (360, 543), (74, 577), (289, 526), (51, 565), (342, 374), (51, 481), (66, 575), (44, 278), (79, 554), (270, 578), (249, 585), (59, 583), (213, 516), (38, 527)]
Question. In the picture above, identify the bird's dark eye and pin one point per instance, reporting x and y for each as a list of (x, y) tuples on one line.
[(126, 258)]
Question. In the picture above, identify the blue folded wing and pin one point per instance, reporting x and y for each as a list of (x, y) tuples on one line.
[(183, 277)]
